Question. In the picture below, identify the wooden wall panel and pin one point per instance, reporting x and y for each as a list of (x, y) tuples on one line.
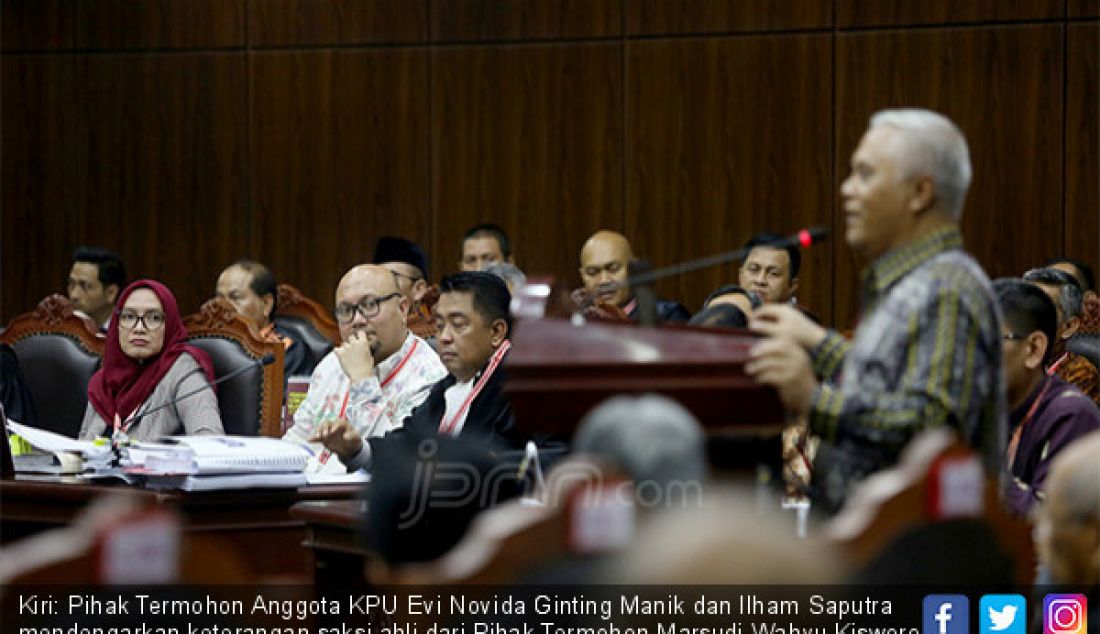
[(1002, 86), (41, 168), (183, 160), (159, 24), (36, 25), (864, 13), (481, 20), (657, 17), (726, 138), (1083, 143), (529, 137), (321, 22), (141, 153), (1084, 8), (339, 147)]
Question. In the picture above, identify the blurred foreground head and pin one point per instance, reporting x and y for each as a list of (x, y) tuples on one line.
[(726, 540), (651, 437), (1068, 529), (424, 495)]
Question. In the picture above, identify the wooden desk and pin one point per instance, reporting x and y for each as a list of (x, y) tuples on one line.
[(333, 535), (256, 523)]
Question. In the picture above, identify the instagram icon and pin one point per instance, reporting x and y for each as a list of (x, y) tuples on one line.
[(1065, 614)]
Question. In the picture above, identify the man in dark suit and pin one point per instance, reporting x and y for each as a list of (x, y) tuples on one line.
[(95, 280), (605, 260), (473, 323)]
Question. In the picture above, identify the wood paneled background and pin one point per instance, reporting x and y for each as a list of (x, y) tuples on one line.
[(187, 133)]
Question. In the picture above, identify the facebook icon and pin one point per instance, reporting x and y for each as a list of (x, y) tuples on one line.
[(946, 614)]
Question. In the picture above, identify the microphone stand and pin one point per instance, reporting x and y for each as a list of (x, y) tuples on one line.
[(116, 443)]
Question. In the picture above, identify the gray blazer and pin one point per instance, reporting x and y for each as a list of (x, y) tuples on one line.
[(193, 415)]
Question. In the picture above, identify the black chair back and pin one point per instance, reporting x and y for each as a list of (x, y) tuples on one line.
[(250, 403), (58, 352), (303, 332), (240, 399), (57, 370)]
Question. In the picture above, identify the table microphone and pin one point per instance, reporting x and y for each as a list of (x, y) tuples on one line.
[(262, 361), (803, 238)]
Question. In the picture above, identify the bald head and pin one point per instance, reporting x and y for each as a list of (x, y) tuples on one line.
[(381, 278), (386, 329), (604, 260)]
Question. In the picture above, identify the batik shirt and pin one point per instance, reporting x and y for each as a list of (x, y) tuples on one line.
[(927, 352), (370, 407)]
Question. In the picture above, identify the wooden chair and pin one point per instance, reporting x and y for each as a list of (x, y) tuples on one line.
[(251, 403), (307, 322), (934, 518), (98, 548), (59, 351)]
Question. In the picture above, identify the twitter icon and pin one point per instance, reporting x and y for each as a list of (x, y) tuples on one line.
[(1002, 614)]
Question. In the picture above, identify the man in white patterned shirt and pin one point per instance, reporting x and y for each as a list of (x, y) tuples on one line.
[(379, 374), (473, 322)]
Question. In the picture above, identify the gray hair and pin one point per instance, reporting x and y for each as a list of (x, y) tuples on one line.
[(1072, 505), (933, 146), (1069, 289), (508, 272), (652, 437)]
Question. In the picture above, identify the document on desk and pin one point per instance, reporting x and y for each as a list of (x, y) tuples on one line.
[(54, 453), (211, 455), (337, 478), (210, 463), (50, 442), (229, 481)]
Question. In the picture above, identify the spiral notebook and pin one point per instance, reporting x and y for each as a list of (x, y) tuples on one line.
[(214, 455)]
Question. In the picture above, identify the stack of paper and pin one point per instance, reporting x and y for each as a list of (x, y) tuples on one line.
[(203, 463), (54, 453)]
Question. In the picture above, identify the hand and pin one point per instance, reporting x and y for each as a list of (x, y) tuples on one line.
[(776, 320), (355, 357), (783, 363), (340, 438)]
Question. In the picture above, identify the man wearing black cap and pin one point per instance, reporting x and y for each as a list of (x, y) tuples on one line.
[(409, 265)]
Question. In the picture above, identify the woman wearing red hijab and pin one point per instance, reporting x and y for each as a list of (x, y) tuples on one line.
[(147, 364)]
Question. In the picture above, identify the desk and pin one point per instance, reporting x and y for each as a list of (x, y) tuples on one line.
[(256, 523), (333, 536)]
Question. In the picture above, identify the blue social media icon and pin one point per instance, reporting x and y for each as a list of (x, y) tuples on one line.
[(946, 614), (1002, 614)]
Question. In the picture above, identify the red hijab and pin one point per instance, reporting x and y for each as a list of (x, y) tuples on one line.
[(123, 384)]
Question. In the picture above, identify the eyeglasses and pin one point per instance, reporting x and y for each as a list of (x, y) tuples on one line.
[(1013, 337), (151, 321), (369, 306)]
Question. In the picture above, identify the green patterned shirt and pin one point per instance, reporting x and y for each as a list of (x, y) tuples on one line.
[(927, 352)]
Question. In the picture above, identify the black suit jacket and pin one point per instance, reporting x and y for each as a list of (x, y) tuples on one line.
[(489, 421), (18, 403), (666, 311)]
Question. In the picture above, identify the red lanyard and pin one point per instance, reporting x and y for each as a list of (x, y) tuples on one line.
[(385, 381), (326, 454), (447, 428), (1014, 443), (118, 424)]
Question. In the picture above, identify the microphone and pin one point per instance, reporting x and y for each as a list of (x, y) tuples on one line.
[(803, 238), (267, 359)]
